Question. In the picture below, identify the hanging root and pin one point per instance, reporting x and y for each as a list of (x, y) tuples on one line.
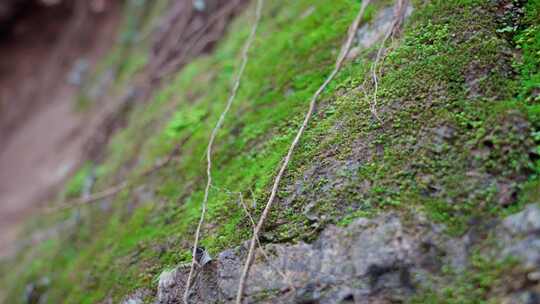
[(285, 277), (393, 31), (213, 135), (339, 62), (399, 17)]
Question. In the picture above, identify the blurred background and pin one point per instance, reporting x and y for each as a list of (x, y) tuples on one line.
[(47, 47), (58, 62)]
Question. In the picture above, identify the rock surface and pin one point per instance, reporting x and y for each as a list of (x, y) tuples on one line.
[(380, 260), (520, 237)]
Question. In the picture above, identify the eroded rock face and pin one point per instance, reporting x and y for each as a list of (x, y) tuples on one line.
[(376, 259), (382, 260)]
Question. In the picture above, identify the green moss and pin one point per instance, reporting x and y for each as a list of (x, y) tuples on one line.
[(75, 185), (528, 41), (480, 283), (127, 250), (449, 115)]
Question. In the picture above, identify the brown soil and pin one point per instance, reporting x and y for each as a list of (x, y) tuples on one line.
[(42, 138)]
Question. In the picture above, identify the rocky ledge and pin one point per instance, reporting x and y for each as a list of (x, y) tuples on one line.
[(387, 259)]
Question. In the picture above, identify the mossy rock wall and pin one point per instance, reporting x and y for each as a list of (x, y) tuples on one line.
[(451, 133)]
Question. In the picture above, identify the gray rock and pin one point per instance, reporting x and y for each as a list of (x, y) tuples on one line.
[(527, 250), (519, 236), (374, 31), (377, 259), (137, 297), (526, 221), (526, 297), (169, 290)]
